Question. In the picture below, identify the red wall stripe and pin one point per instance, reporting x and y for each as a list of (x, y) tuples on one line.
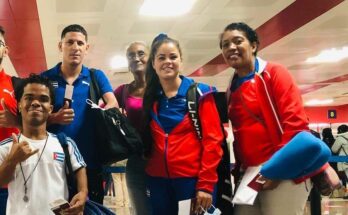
[(23, 35), (288, 20), (320, 114)]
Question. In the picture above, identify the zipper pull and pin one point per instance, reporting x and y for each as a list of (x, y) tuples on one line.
[(118, 124), (122, 131)]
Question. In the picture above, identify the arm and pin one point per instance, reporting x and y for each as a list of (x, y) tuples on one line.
[(7, 169), (7, 118), (78, 201), (110, 100), (288, 103), (63, 116), (337, 145), (79, 167), (106, 90), (19, 152)]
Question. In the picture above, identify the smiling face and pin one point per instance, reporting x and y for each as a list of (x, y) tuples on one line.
[(74, 48), (35, 104), (237, 50), (167, 61), (137, 55)]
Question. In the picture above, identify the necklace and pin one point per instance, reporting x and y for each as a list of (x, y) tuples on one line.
[(25, 197)]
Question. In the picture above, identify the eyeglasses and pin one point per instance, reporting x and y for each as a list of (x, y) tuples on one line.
[(2, 43), (134, 55)]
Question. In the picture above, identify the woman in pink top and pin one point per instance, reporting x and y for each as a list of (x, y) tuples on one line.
[(130, 98)]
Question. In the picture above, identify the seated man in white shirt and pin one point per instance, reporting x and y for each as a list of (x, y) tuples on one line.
[(33, 163)]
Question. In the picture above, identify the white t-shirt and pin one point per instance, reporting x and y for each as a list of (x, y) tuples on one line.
[(47, 183)]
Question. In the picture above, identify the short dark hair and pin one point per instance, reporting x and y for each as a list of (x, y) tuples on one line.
[(2, 31), (250, 34), (342, 129), (73, 28), (35, 79)]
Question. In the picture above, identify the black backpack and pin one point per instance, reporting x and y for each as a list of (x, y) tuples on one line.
[(224, 185)]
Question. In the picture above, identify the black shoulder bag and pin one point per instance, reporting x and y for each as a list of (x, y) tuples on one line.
[(224, 185), (116, 138)]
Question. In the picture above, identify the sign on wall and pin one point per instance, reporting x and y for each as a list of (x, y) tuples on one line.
[(331, 114)]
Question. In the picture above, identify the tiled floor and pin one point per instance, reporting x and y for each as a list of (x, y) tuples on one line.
[(329, 206), (334, 206)]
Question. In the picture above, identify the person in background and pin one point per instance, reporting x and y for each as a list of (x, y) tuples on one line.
[(329, 139), (130, 98), (32, 163), (74, 118), (180, 165), (327, 136), (258, 135), (120, 186), (340, 147), (8, 109)]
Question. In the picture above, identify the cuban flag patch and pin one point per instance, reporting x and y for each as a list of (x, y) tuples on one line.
[(58, 156)]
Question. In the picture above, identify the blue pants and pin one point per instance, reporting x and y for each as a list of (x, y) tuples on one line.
[(3, 200), (165, 193)]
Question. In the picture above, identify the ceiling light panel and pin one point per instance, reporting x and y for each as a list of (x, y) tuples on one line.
[(166, 8)]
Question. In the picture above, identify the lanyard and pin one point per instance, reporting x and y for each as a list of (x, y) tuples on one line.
[(26, 198)]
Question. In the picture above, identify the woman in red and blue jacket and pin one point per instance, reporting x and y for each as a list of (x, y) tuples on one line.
[(180, 166), (266, 112)]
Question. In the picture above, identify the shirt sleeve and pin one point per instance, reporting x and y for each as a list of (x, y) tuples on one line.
[(288, 101), (118, 94), (5, 147), (103, 82), (75, 156)]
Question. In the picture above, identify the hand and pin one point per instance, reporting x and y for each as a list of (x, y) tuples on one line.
[(204, 200), (20, 151), (123, 111), (77, 204), (7, 118), (63, 116), (268, 183)]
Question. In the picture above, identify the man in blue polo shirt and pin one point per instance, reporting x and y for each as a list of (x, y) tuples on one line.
[(74, 118)]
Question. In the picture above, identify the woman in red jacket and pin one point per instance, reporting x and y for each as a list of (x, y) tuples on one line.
[(180, 166), (266, 111)]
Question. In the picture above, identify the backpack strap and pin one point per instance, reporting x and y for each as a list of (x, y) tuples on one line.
[(192, 105), (94, 90), (70, 176), (224, 186)]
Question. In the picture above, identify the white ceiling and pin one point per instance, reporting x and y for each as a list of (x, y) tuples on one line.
[(112, 24)]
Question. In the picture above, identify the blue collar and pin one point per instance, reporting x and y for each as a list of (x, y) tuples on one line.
[(237, 81), (57, 70), (185, 84)]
